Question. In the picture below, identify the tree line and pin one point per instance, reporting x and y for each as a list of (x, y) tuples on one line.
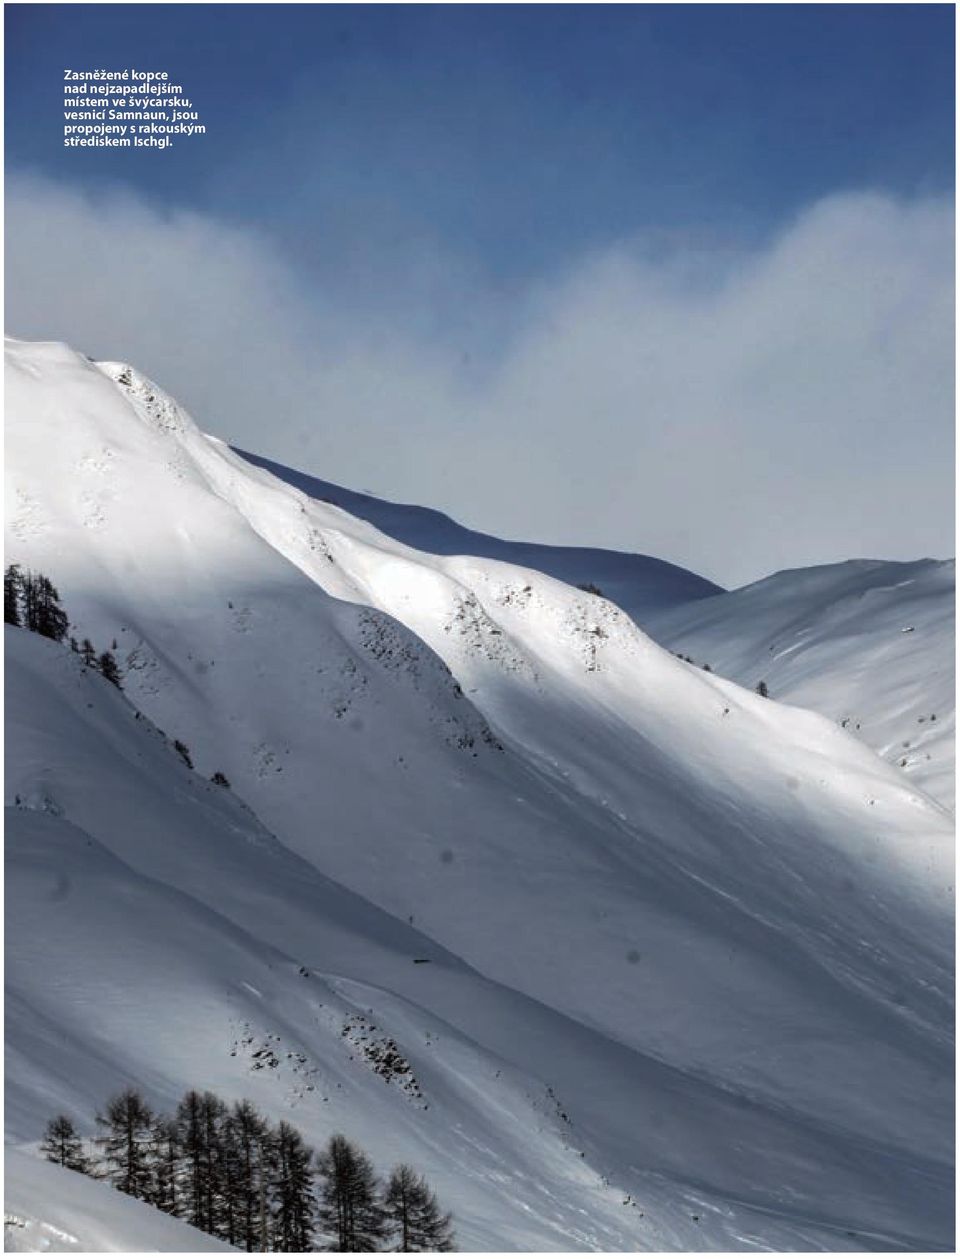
[(229, 1172), (32, 602)]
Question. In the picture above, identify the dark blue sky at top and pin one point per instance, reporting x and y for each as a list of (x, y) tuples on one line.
[(514, 136)]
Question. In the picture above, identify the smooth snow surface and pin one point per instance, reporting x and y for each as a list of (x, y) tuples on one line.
[(690, 951), (50, 1208)]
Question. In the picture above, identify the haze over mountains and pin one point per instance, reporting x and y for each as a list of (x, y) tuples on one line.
[(670, 964)]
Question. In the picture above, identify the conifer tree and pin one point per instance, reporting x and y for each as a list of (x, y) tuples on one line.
[(349, 1209), (190, 1141), (164, 1157), (89, 653), (212, 1113), (128, 1125), (292, 1191), (30, 595), (254, 1156), (228, 1206), (12, 594), (62, 1144), (107, 665), (42, 611), (199, 1118), (413, 1214), (54, 620)]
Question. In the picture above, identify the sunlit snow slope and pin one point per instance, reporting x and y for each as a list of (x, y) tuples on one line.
[(833, 638), (638, 583), (868, 643), (717, 929)]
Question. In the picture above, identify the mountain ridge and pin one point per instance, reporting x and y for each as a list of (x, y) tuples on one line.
[(639, 583)]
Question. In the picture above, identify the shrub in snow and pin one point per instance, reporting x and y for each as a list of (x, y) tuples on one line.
[(184, 752), (107, 665)]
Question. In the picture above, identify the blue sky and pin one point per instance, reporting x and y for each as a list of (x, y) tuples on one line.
[(448, 168), (528, 131)]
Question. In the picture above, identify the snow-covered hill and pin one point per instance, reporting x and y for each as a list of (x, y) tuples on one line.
[(868, 643), (717, 929), (640, 584), (142, 945)]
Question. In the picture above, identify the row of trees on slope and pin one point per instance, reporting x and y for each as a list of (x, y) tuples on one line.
[(227, 1171), (31, 601)]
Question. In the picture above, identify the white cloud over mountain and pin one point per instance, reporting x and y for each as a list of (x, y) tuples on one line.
[(735, 411)]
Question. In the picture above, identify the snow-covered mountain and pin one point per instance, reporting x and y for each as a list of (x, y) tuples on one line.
[(640, 584), (690, 950), (833, 638), (868, 643)]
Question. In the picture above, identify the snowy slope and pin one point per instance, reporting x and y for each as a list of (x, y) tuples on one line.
[(123, 996), (718, 928), (49, 1208), (640, 584), (104, 987), (832, 638), (868, 643)]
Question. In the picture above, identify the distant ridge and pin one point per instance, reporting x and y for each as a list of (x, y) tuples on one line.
[(640, 584)]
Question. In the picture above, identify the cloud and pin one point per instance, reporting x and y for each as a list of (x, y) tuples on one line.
[(735, 411)]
